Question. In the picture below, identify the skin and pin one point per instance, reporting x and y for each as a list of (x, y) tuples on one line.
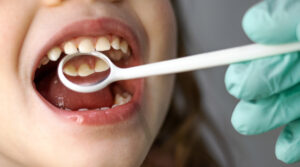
[(32, 135)]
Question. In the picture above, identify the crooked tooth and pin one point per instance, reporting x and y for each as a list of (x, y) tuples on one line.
[(85, 70), (54, 54), (70, 48), (70, 70), (86, 46), (120, 100), (103, 44), (45, 61), (124, 46), (101, 66), (115, 43)]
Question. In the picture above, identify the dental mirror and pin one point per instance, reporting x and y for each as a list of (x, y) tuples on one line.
[(85, 72), (108, 73)]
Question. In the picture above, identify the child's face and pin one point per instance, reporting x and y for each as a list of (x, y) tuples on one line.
[(36, 127)]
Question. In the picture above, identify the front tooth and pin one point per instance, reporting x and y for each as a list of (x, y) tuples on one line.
[(70, 70), (54, 54), (102, 44), (101, 66), (70, 48), (86, 46), (44, 61), (85, 70), (115, 43)]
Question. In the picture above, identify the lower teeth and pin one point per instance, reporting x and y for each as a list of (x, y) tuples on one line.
[(119, 100), (103, 108), (83, 109)]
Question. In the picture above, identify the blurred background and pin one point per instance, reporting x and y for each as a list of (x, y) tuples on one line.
[(209, 25)]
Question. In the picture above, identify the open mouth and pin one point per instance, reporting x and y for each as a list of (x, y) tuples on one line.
[(111, 104)]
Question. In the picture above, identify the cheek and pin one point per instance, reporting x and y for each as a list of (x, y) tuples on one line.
[(15, 18), (160, 26), (162, 31), (158, 99)]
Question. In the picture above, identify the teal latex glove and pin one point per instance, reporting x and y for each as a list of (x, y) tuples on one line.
[(269, 88)]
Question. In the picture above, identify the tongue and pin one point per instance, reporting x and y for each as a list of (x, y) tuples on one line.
[(56, 93)]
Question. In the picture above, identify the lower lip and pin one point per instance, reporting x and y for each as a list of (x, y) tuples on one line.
[(103, 117)]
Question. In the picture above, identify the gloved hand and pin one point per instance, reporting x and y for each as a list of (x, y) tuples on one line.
[(269, 88)]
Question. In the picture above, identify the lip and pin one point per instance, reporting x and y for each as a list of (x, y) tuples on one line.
[(97, 27)]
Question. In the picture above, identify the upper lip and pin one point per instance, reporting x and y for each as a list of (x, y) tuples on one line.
[(91, 27)]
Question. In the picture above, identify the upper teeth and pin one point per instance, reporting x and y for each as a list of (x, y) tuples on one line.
[(45, 61), (86, 45), (101, 66), (103, 44), (85, 70), (115, 43), (54, 54), (70, 70), (70, 48), (124, 46)]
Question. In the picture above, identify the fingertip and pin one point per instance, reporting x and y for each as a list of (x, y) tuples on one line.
[(231, 83), (236, 80), (288, 143), (262, 25), (241, 81), (244, 121), (252, 25), (238, 125), (284, 149)]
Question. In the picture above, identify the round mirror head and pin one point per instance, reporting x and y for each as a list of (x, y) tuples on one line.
[(85, 72)]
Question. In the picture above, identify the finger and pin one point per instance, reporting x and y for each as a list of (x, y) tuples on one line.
[(273, 21), (264, 77), (288, 143), (259, 116)]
